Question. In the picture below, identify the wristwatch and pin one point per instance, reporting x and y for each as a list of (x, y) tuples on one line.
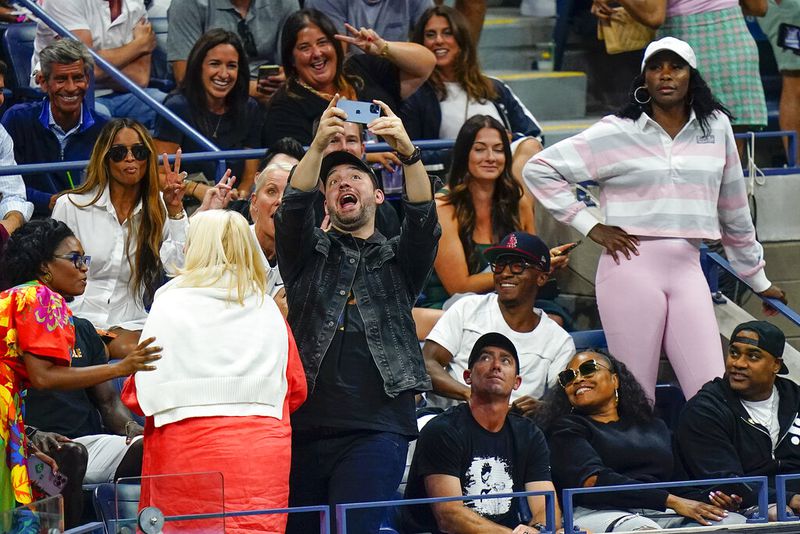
[(411, 158)]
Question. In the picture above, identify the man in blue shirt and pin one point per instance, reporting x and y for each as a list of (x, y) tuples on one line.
[(58, 128)]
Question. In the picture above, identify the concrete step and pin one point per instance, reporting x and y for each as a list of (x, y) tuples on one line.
[(513, 42), (506, 28), (558, 130), (549, 95)]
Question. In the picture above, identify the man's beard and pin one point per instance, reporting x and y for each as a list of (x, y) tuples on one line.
[(354, 221)]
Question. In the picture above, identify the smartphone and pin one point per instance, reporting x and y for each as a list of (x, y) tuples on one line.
[(265, 71), (361, 112), (789, 37), (42, 475), (569, 249)]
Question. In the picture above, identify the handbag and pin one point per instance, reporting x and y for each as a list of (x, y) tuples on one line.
[(622, 33)]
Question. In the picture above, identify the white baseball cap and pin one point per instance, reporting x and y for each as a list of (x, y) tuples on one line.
[(681, 48)]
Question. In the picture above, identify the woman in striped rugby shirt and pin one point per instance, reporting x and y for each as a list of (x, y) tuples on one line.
[(669, 177)]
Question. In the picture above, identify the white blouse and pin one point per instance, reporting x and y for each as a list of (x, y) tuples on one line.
[(109, 300)]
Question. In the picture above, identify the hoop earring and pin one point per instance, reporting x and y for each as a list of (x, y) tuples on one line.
[(636, 95), (47, 278)]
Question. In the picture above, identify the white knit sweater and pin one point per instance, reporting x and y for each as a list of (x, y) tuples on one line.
[(219, 358)]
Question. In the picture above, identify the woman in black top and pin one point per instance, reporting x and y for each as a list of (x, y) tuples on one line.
[(602, 432), (213, 98), (316, 69)]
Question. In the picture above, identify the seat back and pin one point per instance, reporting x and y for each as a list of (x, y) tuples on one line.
[(160, 69), (18, 49), (589, 339), (114, 501)]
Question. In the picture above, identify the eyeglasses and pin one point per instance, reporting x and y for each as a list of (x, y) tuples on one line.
[(118, 153), (248, 40), (517, 265), (586, 369), (78, 260)]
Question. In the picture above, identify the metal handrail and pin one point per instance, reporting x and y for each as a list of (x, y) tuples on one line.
[(791, 134), (549, 503), (323, 509), (719, 261), (780, 497), (123, 80), (569, 493), (248, 153)]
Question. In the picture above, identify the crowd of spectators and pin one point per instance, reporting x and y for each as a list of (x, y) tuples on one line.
[(291, 310)]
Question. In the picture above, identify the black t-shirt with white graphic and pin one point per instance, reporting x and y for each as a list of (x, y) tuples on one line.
[(485, 462)]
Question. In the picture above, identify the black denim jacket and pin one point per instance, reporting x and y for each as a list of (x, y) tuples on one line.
[(319, 269)]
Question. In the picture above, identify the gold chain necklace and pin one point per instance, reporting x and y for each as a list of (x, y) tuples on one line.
[(325, 96)]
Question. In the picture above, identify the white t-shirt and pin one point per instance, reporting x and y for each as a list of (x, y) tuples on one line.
[(93, 16), (765, 413), (543, 352), (456, 110)]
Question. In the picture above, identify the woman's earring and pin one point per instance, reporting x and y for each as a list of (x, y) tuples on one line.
[(616, 395), (636, 95), (47, 278)]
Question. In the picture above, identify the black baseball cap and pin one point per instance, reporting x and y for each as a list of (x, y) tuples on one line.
[(770, 338), (342, 157), (492, 339), (528, 246)]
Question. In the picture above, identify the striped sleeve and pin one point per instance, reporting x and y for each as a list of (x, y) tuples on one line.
[(736, 225), (550, 173)]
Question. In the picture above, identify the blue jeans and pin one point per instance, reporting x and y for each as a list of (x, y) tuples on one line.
[(129, 105), (358, 466)]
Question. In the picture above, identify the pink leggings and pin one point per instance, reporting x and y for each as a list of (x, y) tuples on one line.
[(660, 299)]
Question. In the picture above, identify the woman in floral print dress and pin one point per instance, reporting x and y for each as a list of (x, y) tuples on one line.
[(45, 265)]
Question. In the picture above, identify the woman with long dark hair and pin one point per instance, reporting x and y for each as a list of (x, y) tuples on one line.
[(457, 89), (316, 69), (481, 203), (669, 176), (45, 266), (601, 431), (133, 231), (213, 98)]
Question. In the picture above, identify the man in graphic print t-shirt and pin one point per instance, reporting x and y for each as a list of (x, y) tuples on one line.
[(480, 448)]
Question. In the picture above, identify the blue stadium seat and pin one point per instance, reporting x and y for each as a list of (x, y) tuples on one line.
[(160, 69), (589, 339), (18, 49), (108, 496)]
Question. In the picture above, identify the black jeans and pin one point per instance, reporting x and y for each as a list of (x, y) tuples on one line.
[(359, 466)]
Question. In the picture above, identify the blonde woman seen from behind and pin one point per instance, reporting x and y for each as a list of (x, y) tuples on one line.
[(217, 385)]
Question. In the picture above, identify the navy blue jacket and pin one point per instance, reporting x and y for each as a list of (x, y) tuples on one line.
[(422, 115), (321, 269), (34, 142)]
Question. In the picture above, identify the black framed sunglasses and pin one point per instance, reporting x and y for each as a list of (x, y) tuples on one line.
[(586, 369), (118, 153), (78, 260), (248, 40), (516, 265)]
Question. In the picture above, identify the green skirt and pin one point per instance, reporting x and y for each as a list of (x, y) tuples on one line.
[(727, 58)]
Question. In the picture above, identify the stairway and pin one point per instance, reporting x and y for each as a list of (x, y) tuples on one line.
[(518, 50)]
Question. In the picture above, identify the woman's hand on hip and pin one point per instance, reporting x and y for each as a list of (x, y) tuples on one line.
[(615, 240)]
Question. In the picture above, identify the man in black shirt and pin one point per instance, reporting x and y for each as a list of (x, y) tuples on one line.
[(350, 291), (480, 448)]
